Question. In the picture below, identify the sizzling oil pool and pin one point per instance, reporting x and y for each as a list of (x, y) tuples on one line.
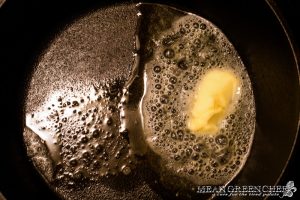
[(96, 120)]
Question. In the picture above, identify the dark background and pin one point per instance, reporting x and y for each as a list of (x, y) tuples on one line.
[(288, 9)]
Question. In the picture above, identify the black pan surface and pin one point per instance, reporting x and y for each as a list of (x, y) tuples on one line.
[(26, 27)]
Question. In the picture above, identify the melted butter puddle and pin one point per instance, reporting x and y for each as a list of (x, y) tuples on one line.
[(197, 95)]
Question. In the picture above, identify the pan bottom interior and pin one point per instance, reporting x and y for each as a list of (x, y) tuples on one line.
[(72, 131)]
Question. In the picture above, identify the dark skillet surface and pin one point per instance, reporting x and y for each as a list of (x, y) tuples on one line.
[(25, 33), (289, 11)]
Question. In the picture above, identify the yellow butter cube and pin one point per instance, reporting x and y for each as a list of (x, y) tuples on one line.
[(212, 100)]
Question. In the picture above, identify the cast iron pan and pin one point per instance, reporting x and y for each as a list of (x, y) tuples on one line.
[(269, 54)]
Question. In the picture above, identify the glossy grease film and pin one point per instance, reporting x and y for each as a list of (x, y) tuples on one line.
[(81, 133)]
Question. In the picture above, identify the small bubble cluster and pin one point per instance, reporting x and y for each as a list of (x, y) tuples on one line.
[(81, 133), (183, 55)]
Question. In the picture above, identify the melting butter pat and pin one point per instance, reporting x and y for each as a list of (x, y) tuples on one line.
[(212, 100)]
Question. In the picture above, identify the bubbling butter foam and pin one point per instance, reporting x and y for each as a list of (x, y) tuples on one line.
[(198, 105)]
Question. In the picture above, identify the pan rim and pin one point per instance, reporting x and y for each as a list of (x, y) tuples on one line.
[(296, 55)]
